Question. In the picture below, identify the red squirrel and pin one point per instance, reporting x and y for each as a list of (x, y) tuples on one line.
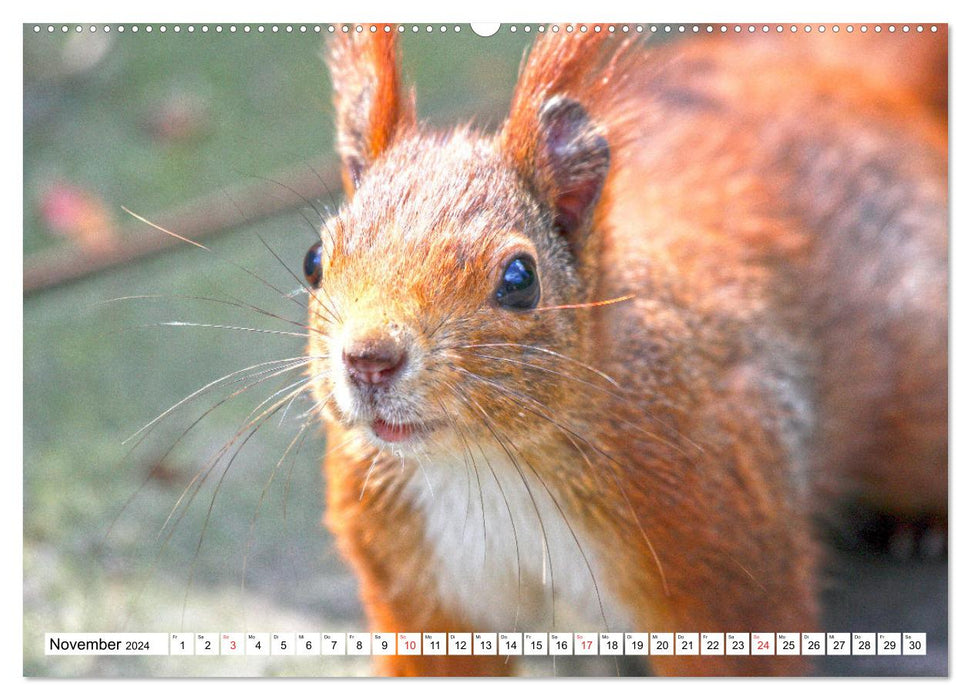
[(598, 370)]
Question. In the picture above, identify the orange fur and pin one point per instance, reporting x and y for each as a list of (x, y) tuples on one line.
[(775, 213)]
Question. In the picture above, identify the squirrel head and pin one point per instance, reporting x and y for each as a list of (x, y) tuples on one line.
[(445, 290)]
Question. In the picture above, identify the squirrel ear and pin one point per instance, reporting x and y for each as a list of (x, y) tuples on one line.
[(571, 160), (368, 98)]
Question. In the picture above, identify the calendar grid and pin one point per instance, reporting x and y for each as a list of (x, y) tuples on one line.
[(487, 644)]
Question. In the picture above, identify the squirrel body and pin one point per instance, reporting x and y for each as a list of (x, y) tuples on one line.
[(602, 367)]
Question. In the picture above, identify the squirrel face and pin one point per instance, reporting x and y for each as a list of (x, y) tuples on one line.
[(450, 285), (433, 282)]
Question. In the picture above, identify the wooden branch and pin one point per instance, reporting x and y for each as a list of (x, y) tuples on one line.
[(198, 219)]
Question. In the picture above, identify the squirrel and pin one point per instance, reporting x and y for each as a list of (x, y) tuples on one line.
[(602, 367)]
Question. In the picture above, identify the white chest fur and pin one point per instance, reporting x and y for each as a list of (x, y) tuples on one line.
[(507, 556)]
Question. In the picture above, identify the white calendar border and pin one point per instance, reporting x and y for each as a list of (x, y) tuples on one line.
[(11, 651)]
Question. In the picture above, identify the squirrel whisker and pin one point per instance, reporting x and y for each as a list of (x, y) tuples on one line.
[(508, 446), (296, 362), (190, 324), (607, 392), (566, 430), (251, 537), (165, 230), (586, 305), (545, 351)]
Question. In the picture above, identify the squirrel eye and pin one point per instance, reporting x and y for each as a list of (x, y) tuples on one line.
[(312, 269), (519, 288)]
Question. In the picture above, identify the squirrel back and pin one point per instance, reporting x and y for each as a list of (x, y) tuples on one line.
[(818, 206)]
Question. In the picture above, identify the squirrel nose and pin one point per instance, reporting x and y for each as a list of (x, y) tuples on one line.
[(374, 363)]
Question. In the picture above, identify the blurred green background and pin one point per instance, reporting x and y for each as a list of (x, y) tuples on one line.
[(150, 120)]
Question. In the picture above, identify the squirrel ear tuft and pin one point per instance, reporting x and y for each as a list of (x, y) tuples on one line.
[(371, 109)]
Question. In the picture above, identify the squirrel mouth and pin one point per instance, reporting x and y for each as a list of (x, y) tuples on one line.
[(396, 432)]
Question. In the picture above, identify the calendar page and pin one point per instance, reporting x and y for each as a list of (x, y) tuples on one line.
[(527, 349)]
